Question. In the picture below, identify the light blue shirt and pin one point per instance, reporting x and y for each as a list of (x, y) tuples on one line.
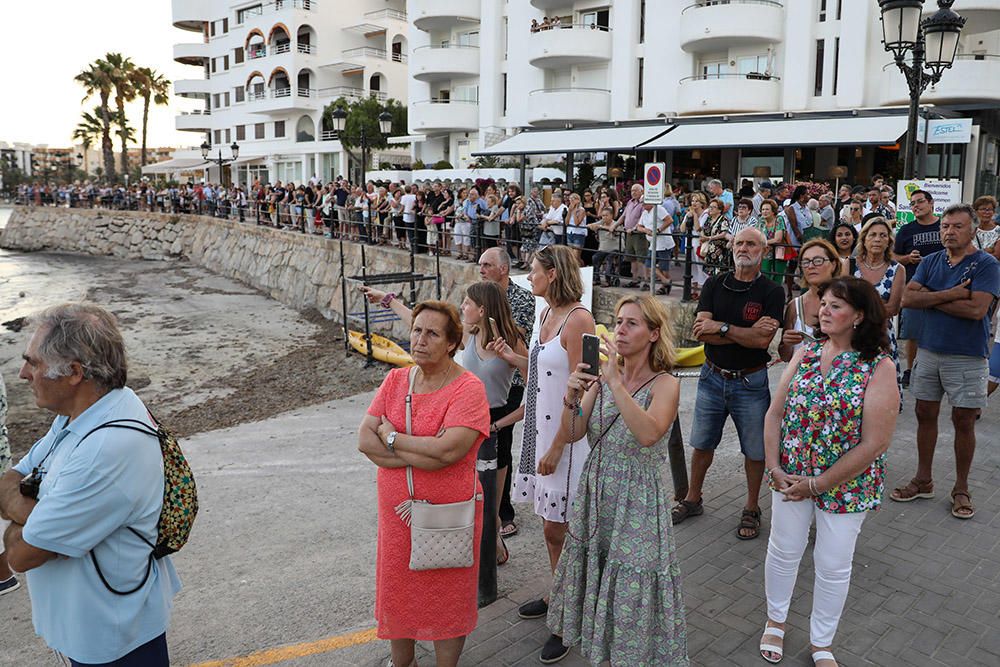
[(89, 495), (727, 198), (473, 209)]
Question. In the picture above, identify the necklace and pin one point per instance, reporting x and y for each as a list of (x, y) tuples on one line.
[(873, 267), (725, 284), (441, 384)]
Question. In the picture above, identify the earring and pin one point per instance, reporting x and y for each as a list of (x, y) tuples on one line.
[(856, 325)]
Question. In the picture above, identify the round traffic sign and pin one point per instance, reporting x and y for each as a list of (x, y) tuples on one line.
[(653, 176)]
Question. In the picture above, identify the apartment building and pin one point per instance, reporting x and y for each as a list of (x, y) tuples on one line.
[(483, 70), (263, 71)]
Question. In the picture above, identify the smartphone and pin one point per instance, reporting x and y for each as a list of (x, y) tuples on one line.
[(494, 330), (809, 338), (591, 354)]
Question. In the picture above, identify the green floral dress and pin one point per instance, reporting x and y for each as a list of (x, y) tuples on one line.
[(822, 422), (617, 589)]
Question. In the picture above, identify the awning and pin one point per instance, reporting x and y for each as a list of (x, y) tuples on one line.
[(244, 159), (844, 131), (584, 140), (177, 164)]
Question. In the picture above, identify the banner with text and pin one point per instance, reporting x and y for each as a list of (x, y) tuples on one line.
[(945, 193)]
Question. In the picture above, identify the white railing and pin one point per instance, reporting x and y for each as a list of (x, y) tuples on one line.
[(275, 6), (386, 14), (197, 112), (283, 47), (328, 135), (352, 93), (399, 57), (305, 48), (306, 92), (254, 95), (365, 52), (281, 92)]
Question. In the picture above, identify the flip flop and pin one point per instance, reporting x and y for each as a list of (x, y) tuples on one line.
[(506, 553), (508, 529)]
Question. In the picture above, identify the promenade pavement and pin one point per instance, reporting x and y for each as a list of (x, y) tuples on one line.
[(280, 569)]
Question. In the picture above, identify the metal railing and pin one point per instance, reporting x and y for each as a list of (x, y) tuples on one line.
[(701, 4), (398, 57), (439, 100), (306, 92), (352, 93), (254, 95), (328, 135), (365, 52), (197, 112), (573, 89), (281, 47), (305, 48), (445, 45), (274, 6), (753, 76), (570, 26), (386, 13), (281, 92)]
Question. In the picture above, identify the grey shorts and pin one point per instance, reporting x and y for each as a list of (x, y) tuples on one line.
[(636, 247), (911, 323), (962, 378)]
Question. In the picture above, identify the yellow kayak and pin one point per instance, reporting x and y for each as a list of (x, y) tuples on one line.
[(383, 349), (686, 356)]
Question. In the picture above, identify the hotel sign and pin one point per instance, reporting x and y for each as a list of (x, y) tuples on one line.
[(945, 131)]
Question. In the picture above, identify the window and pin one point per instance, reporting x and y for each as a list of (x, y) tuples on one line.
[(822, 10), (241, 132), (245, 13), (836, 62), (468, 38), (840, 7), (225, 26), (504, 75), (239, 94), (506, 28), (211, 28), (714, 70), (642, 67), (225, 99), (468, 93), (258, 131), (213, 65), (215, 101), (751, 64), (218, 136), (279, 129), (642, 21), (225, 62), (229, 137), (818, 84), (238, 55), (598, 17)]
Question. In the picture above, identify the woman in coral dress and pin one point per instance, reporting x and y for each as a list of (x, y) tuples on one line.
[(450, 418)]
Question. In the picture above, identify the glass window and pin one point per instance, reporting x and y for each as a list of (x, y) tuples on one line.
[(468, 93), (279, 129), (258, 131), (225, 99), (818, 82), (836, 62), (641, 74), (467, 38), (241, 132), (229, 137), (642, 21), (240, 96), (238, 55), (305, 130), (751, 64), (218, 136), (822, 11), (714, 70)]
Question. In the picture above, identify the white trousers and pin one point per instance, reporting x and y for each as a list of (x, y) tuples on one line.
[(836, 535)]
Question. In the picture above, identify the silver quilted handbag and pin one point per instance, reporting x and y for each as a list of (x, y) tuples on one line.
[(441, 535)]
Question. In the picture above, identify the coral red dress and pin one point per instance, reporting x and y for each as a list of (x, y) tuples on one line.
[(428, 604)]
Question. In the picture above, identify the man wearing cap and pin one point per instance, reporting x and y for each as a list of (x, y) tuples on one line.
[(764, 190)]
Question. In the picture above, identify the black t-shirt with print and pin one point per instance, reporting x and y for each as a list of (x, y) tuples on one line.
[(914, 236), (740, 304)]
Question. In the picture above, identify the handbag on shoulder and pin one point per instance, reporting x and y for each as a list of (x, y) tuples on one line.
[(441, 535)]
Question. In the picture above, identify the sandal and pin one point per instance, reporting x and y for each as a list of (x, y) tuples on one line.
[(959, 509), (823, 654), (777, 633), (749, 520), (685, 509), (506, 553), (913, 490), (508, 529)]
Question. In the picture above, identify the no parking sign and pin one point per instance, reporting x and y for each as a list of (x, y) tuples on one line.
[(652, 192)]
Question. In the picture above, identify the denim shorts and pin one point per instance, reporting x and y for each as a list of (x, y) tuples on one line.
[(911, 323), (961, 377), (746, 400)]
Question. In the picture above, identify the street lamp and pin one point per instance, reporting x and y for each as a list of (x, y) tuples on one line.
[(219, 161), (339, 117), (932, 44)]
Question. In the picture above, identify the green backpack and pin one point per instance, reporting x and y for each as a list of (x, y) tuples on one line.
[(180, 497)]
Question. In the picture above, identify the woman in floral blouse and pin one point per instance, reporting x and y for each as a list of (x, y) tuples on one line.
[(825, 438), (714, 240)]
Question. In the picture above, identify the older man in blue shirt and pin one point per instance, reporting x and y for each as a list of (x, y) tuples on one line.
[(90, 493)]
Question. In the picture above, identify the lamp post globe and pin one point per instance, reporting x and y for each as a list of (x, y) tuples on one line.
[(941, 32), (900, 24), (205, 148), (385, 123), (339, 117), (235, 148)]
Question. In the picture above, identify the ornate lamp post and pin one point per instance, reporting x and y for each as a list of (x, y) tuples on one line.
[(931, 44), (219, 161), (339, 116)]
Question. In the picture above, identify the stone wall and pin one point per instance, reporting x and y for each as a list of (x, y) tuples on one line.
[(300, 271)]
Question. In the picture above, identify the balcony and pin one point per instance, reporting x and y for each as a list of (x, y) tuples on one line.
[(556, 106), (282, 100), (190, 14), (718, 25), (191, 54), (198, 88), (440, 116), (551, 4), (728, 93), (973, 78), (350, 93), (194, 121), (982, 15), (441, 63), (568, 45), (434, 15)]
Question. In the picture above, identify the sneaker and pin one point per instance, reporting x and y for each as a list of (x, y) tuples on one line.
[(9, 586), (906, 378), (533, 609), (553, 651)]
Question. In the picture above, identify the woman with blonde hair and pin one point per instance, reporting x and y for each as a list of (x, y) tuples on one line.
[(550, 464), (617, 589), (820, 264)]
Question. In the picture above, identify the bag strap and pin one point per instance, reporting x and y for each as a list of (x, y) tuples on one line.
[(615, 418)]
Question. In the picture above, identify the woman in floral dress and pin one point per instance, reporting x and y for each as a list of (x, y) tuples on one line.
[(617, 589), (875, 264), (714, 241), (825, 438)]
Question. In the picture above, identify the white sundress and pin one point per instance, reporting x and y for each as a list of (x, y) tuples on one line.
[(548, 373)]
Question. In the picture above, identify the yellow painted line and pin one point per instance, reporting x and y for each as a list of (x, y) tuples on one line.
[(275, 655)]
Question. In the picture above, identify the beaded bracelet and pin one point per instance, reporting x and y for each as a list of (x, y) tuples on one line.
[(387, 299), (575, 407)]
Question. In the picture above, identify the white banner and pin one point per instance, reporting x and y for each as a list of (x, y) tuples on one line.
[(945, 131), (945, 193)]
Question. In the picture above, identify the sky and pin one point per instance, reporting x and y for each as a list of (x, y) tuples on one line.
[(50, 42)]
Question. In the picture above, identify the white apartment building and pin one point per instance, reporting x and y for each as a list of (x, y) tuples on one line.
[(263, 71), (480, 73)]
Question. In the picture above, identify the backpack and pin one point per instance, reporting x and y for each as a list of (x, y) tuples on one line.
[(180, 497)]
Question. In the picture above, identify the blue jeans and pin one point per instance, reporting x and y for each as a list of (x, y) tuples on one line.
[(151, 654), (745, 399)]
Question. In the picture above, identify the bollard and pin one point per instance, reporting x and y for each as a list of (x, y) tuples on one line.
[(678, 467), (487, 467)]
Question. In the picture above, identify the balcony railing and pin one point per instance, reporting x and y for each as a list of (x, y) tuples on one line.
[(197, 112), (275, 6), (753, 76), (571, 26), (306, 92), (328, 135), (281, 92), (386, 14), (256, 51), (305, 48), (283, 47), (714, 3), (365, 52), (443, 100), (398, 57), (350, 93), (254, 95)]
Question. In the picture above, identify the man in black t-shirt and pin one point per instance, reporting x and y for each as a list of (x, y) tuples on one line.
[(738, 315)]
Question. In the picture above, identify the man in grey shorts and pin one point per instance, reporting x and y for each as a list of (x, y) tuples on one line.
[(956, 290)]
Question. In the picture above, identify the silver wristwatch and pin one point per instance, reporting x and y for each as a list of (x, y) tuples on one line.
[(390, 442)]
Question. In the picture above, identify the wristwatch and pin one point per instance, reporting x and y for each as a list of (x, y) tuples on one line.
[(723, 330), (390, 442)]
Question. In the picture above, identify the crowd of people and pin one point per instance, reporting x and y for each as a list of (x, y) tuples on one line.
[(595, 432)]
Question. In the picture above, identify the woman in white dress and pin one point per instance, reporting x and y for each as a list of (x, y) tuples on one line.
[(548, 466), (696, 216)]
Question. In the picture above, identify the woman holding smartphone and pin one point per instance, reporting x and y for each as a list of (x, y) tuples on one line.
[(820, 264), (620, 535)]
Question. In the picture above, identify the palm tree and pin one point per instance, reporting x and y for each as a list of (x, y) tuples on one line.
[(122, 69), (97, 80), (88, 132), (149, 85)]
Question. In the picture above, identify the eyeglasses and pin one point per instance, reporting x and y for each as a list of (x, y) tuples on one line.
[(817, 262), (917, 201)]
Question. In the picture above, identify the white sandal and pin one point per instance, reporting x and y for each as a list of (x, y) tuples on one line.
[(771, 631), (823, 655)]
